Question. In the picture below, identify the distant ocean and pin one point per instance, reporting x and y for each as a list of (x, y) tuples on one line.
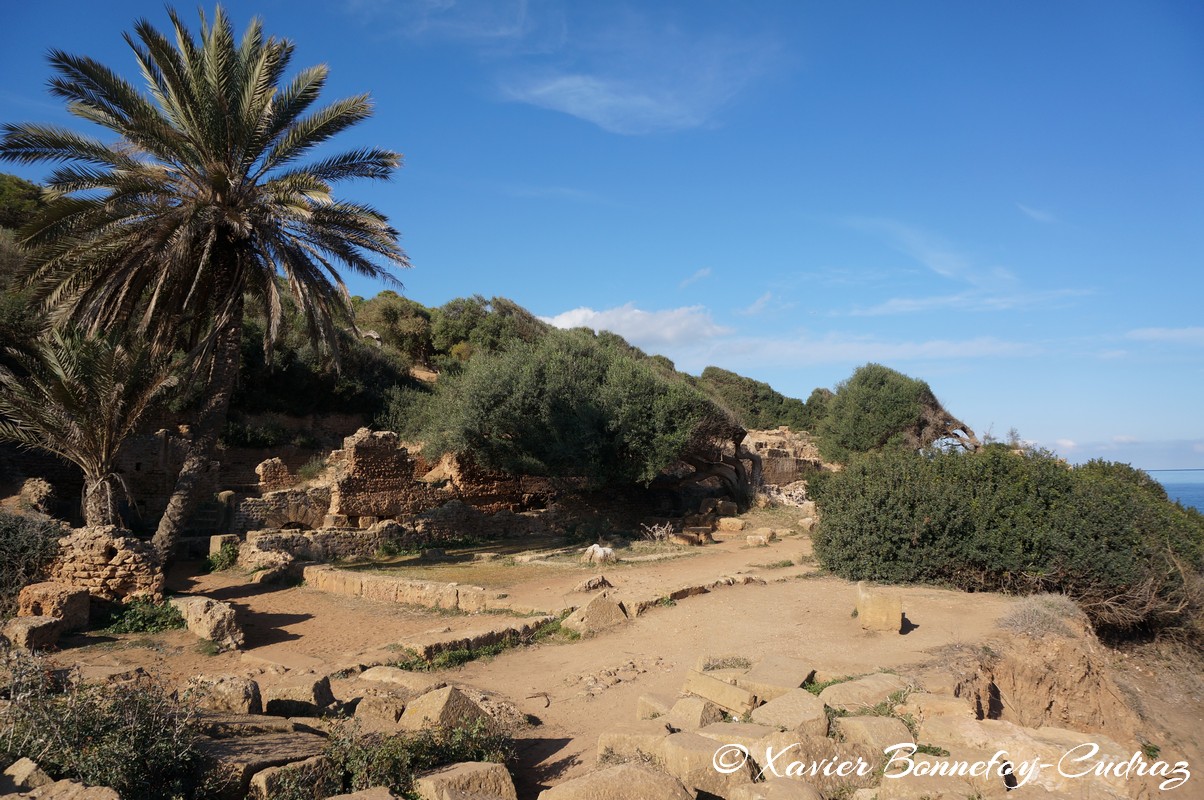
[(1184, 485)]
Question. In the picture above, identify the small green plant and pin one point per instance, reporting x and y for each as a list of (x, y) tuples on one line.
[(816, 687), (785, 562), (854, 613), (1150, 751), (311, 469), (223, 559), (144, 616), (138, 738), (932, 750), (666, 602)]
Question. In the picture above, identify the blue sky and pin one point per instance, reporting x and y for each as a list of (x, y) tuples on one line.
[(1005, 199)]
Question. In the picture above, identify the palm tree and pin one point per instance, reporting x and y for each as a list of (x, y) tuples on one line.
[(79, 397), (199, 204)]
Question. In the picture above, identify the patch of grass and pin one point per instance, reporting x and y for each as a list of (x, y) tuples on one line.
[(932, 750), (726, 662), (449, 659), (311, 469), (208, 648), (786, 562), (816, 688), (144, 616), (666, 602), (1150, 751), (1042, 615), (223, 559)]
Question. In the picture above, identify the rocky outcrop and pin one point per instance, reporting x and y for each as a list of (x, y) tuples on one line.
[(211, 619)]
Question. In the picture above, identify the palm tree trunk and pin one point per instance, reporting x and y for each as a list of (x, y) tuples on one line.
[(100, 507), (223, 376)]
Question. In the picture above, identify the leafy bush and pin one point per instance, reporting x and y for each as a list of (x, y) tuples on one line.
[(570, 405), (755, 404), (878, 407), (137, 738), (27, 546), (1104, 534), (145, 616), (374, 759), (225, 558)]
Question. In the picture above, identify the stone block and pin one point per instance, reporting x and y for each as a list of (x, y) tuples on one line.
[(874, 733), (730, 524), (23, 775), (442, 708), (651, 706), (296, 695), (621, 782), (730, 698), (862, 693), (691, 759), (775, 675), (380, 588), (745, 734), (638, 741), (599, 614), (237, 759), (797, 711), (470, 778), (788, 789), (415, 683), (692, 713), (597, 554), (33, 633), (381, 710), (806, 524), (229, 693), (211, 619), (49, 599), (756, 540), (216, 543), (472, 599), (726, 508), (879, 609), (923, 705), (316, 774)]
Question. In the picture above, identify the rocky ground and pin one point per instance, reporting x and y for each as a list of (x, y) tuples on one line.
[(741, 613)]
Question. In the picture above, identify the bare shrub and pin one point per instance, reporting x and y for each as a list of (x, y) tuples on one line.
[(27, 546)]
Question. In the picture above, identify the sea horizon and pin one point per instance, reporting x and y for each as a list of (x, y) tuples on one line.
[(1183, 485)]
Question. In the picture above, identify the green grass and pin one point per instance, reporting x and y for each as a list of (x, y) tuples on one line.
[(786, 562), (144, 616), (449, 659)]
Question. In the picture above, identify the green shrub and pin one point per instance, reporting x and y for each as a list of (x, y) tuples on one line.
[(1103, 534), (364, 760), (137, 738), (755, 404), (145, 616), (27, 546), (571, 405), (224, 559), (312, 468)]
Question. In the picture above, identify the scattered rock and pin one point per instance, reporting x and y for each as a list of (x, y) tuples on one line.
[(599, 614), (211, 619), (33, 633), (729, 524), (293, 695), (797, 710), (632, 741), (783, 789), (48, 599), (651, 706), (22, 775), (597, 554), (775, 675), (691, 759), (875, 733), (593, 584), (443, 708), (238, 758), (316, 774), (692, 713), (733, 699), (622, 782), (471, 778), (228, 693), (862, 693), (879, 609)]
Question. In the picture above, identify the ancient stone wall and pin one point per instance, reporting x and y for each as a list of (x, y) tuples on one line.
[(375, 476), (304, 507), (786, 457), (109, 563)]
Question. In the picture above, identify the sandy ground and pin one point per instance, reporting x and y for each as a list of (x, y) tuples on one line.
[(595, 682)]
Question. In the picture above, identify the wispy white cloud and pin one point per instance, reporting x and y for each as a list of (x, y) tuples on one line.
[(968, 301), (837, 348), (698, 275), (1190, 335), (554, 193), (1066, 444), (650, 330), (757, 306), (480, 21), (1036, 214)]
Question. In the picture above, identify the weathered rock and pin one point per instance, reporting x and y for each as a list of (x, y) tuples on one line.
[(226, 726), (238, 758), (651, 706), (471, 778), (415, 683), (33, 633), (875, 733), (923, 705), (49, 599), (692, 713), (316, 774), (621, 782), (211, 619), (745, 734), (593, 584), (691, 759), (597, 554), (756, 540), (775, 675), (879, 609), (797, 710), (292, 695), (776, 790), (599, 614), (632, 741), (228, 693), (70, 790), (778, 751), (861, 693), (22, 775), (381, 710), (726, 508), (266, 566), (375, 793), (733, 699), (729, 524), (442, 708)]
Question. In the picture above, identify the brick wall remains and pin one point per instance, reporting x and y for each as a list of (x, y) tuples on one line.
[(109, 563)]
